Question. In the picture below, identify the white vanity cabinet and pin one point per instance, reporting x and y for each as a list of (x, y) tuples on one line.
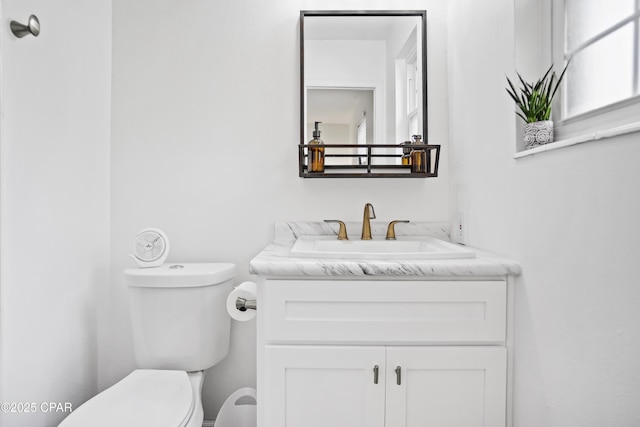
[(384, 353)]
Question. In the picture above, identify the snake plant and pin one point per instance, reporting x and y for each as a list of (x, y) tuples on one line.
[(534, 99)]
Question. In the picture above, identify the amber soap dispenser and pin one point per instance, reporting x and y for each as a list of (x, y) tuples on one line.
[(418, 156), (316, 151)]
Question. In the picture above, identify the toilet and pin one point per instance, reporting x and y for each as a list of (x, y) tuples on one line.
[(180, 329)]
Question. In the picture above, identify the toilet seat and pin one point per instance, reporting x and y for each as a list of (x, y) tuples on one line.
[(145, 397)]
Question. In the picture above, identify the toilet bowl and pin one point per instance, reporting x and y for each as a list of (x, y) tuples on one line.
[(180, 328)]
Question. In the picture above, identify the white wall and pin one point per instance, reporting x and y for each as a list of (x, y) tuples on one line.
[(205, 134), (570, 217), (54, 203), (351, 64)]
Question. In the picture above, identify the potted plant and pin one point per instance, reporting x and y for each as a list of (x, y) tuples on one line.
[(534, 101)]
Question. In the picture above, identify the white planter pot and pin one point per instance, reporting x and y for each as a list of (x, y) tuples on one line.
[(538, 133)]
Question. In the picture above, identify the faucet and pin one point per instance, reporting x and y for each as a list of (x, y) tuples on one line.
[(342, 232), (391, 231), (366, 225)]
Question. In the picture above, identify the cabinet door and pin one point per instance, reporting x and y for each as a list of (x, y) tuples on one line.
[(446, 386), (317, 386)]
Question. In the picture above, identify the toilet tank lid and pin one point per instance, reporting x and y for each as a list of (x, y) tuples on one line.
[(180, 275)]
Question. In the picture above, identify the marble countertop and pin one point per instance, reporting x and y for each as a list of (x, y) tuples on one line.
[(275, 260)]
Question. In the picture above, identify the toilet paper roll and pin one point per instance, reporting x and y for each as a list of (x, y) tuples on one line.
[(246, 290)]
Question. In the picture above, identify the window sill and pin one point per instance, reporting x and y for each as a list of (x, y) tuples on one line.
[(591, 136)]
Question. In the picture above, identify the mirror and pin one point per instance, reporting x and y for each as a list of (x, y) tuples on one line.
[(363, 76)]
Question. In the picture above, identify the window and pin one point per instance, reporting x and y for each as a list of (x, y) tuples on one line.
[(362, 129), (408, 76), (362, 137), (601, 37), (602, 84), (412, 96)]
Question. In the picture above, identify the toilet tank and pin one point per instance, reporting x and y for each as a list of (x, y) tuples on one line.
[(179, 315)]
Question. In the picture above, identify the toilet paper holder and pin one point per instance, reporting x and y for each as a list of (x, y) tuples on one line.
[(244, 304)]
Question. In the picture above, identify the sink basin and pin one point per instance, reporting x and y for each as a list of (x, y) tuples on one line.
[(422, 247)]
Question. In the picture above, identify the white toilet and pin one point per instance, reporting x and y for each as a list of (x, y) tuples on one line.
[(180, 328)]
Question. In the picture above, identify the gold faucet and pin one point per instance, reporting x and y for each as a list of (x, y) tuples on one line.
[(342, 232), (366, 225), (391, 231)]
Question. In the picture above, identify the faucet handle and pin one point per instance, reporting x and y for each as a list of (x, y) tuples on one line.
[(342, 232), (391, 231)]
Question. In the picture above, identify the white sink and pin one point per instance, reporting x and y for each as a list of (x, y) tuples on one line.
[(405, 247)]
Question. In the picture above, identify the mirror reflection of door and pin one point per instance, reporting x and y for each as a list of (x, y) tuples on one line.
[(346, 116)]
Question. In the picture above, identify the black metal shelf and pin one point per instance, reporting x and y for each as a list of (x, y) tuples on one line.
[(367, 166)]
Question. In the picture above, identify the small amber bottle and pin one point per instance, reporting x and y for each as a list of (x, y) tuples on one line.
[(316, 152), (418, 156), (406, 153)]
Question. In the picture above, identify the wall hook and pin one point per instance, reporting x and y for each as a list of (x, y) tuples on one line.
[(20, 30)]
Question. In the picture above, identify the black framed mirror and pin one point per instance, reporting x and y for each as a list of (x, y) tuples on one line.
[(363, 86)]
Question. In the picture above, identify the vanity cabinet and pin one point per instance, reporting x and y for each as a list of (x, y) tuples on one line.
[(383, 353), (346, 386)]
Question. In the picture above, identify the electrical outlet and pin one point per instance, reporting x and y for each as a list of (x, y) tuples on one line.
[(459, 232)]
